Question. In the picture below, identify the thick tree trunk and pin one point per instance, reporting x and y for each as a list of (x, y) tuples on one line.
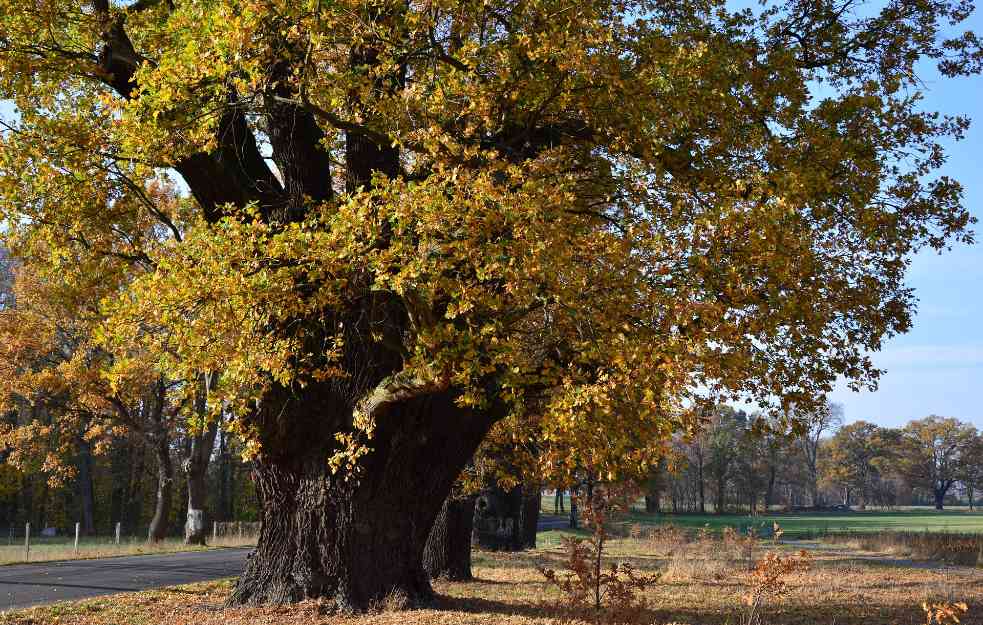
[(448, 550), (532, 501), (558, 507), (497, 519), (357, 537), (507, 520), (165, 490), (939, 499)]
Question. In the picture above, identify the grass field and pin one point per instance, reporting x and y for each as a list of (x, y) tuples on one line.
[(702, 583), (810, 524)]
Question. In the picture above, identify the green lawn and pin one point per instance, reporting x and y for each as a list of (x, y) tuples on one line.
[(918, 519)]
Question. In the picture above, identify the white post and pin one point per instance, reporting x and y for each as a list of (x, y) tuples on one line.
[(117, 532), (77, 524), (27, 542), (214, 532)]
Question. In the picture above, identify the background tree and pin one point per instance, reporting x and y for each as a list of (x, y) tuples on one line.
[(447, 553), (719, 442), (52, 361), (971, 467), (775, 455), (49, 362), (409, 221), (823, 420), (853, 458), (698, 462), (199, 447), (932, 453), (753, 475), (655, 486)]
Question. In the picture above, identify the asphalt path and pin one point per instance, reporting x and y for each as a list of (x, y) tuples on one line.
[(25, 585), (553, 522)]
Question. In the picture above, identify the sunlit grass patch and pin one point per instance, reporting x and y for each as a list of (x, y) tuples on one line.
[(52, 549)]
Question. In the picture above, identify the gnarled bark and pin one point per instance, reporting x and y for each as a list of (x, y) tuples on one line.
[(448, 550), (356, 538)]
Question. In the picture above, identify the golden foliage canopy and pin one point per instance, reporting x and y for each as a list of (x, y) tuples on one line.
[(601, 210)]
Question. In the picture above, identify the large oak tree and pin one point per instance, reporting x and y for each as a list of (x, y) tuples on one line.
[(407, 219), (932, 453)]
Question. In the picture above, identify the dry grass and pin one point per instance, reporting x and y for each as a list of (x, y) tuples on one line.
[(703, 584), (89, 548), (953, 548)]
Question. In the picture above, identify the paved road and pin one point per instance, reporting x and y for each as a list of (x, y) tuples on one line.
[(24, 585), (551, 522)]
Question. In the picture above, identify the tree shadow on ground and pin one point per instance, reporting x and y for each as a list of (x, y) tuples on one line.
[(479, 581), (476, 605), (842, 613)]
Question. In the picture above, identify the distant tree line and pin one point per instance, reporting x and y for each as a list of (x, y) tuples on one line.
[(740, 462), (122, 484), (76, 448)]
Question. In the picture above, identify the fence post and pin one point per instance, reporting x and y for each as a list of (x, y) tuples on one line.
[(27, 542), (117, 532), (77, 524), (214, 532), (240, 530)]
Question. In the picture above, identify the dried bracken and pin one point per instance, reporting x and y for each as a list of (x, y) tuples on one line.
[(588, 581), (944, 613), (768, 581)]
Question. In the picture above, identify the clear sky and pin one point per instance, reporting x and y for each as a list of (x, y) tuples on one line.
[(937, 368)]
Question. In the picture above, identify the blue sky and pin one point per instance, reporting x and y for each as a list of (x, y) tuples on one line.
[(937, 368)]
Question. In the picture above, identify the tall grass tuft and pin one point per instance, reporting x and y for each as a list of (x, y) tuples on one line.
[(948, 547)]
